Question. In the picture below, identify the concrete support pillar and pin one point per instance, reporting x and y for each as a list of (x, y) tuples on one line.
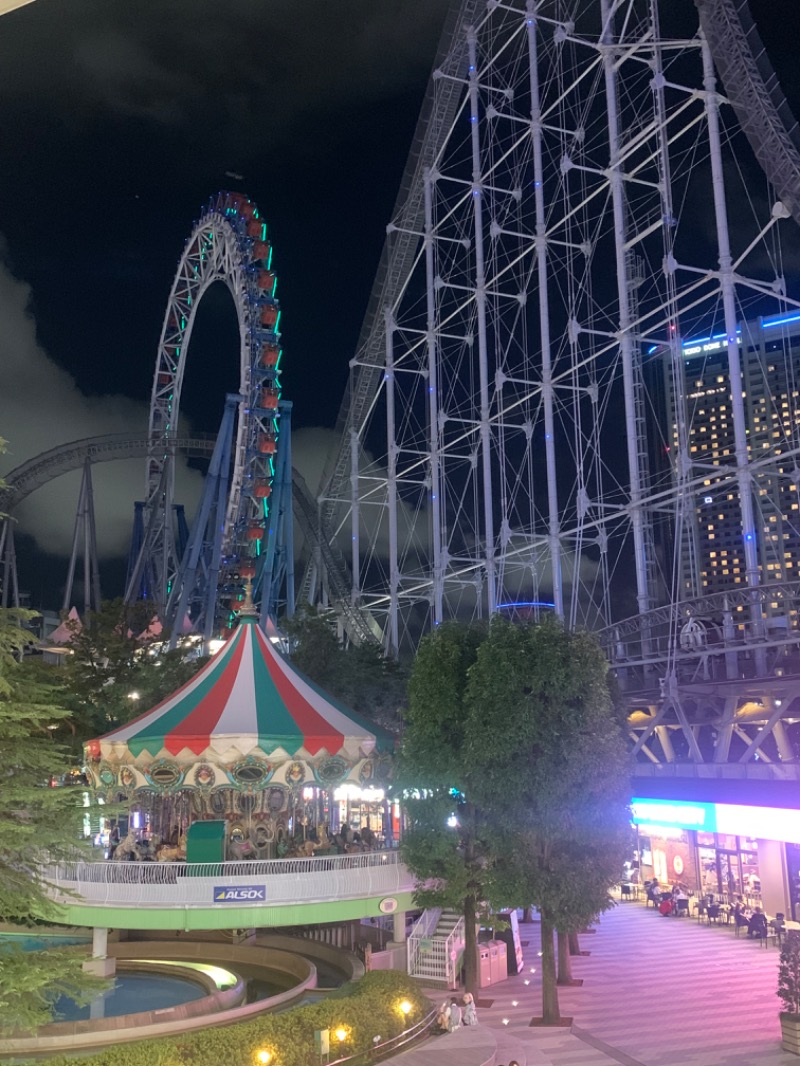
[(100, 964), (774, 877), (399, 927)]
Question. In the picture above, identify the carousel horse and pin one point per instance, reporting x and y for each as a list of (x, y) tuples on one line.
[(243, 849), (128, 848), (172, 852)]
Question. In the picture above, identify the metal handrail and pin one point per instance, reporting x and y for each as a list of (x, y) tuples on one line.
[(423, 929), (153, 873), (394, 1042), (455, 941)]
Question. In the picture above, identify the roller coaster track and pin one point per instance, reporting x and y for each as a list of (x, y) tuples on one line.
[(33, 474), (402, 243), (752, 88), (27, 477)]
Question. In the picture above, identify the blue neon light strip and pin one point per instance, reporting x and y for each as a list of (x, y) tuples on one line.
[(768, 323), (524, 603), (706, 340)]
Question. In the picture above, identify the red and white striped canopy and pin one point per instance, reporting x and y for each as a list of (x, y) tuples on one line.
[(247, 701)]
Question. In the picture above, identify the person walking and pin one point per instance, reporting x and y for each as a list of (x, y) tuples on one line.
[(470, 1014)]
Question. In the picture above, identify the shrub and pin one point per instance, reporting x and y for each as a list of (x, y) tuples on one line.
[(789, 976), (365, 1009)]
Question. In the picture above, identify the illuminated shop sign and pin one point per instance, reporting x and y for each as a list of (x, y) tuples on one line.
[(676, 813), (769, 823)]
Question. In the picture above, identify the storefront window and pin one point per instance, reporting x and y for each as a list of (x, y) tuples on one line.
[(668, 856), (729, 868), (709, 875), (751, 880)]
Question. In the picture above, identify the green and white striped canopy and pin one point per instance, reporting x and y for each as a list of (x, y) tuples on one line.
[(247, 701)]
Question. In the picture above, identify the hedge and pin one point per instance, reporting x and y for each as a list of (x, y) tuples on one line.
[(365, 1009)]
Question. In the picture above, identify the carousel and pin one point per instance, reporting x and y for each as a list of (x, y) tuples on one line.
[(253, 745)]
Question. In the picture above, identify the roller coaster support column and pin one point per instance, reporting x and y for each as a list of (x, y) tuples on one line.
[(85, 531), (726, 282), (8, 556), (277, 568), (196, 582)]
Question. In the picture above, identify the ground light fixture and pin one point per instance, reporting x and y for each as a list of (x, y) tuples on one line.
[(340, 1033), (404, 1006), (264, 1057)]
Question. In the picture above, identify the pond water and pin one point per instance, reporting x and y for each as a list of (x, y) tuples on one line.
[(40, 941), (132, 993)]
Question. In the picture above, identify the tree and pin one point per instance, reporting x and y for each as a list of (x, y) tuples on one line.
[(449, 845), (555, 766), (38, 825), (359, 676), (512, 729), (112, 675)]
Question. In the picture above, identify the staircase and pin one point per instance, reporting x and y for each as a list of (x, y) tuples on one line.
[(435, 947)]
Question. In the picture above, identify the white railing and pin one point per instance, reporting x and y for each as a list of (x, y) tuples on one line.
[(435, 958), (420, 940), (284, 881), (454, 947)]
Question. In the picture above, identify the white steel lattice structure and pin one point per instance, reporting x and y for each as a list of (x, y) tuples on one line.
[(564, 234), (229, 244)]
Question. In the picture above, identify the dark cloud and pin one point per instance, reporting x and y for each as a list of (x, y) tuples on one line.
[(42, 408), (245, 65), (117, 119)]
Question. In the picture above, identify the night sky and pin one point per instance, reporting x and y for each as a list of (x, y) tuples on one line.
[(118, 120)]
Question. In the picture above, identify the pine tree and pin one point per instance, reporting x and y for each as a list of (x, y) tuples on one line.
[(38, 825)]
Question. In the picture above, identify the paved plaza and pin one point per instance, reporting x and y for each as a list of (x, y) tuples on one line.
[(656, 992)]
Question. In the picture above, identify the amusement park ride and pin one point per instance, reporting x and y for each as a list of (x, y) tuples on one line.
[(520, 425)]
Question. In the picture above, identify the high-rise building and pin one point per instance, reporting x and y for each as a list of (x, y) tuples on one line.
[(712, 540)]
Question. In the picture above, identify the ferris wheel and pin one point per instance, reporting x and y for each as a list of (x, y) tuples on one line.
[(519, 425), (229, 244)]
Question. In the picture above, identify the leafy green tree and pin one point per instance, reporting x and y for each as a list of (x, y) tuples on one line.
[(555, 767), (112, 674), (450, 844), (38, 825), (359, 676), (315, 649), (513, 731)]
